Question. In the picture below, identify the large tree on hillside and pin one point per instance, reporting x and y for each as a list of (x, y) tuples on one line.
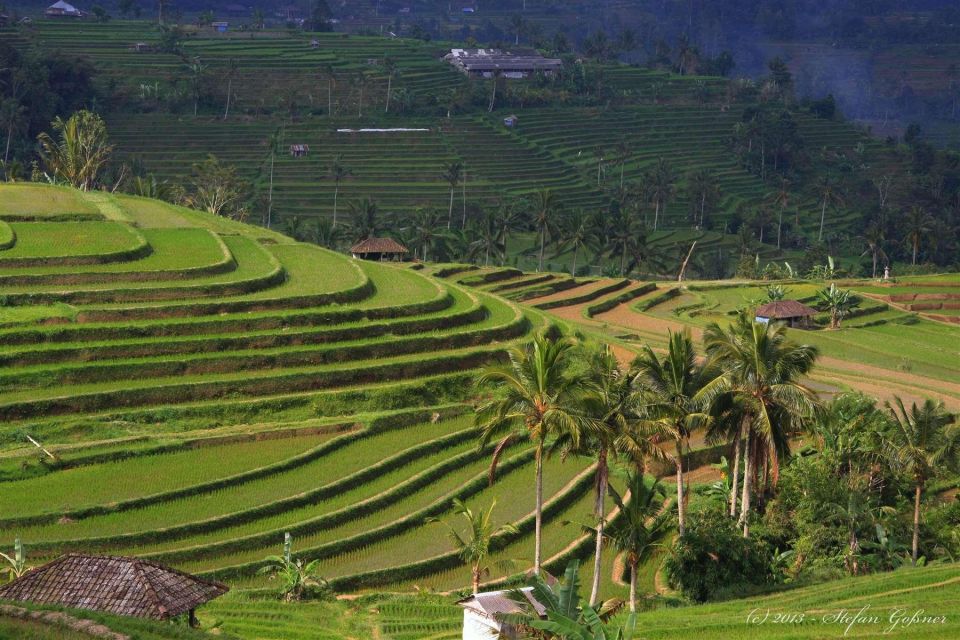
[(643, 525), (452, 174), (579, 232), (671, 385), (917, 224), (535, 396), (704, 191), (338, 171), (829, 196), (926, 442), (475, 546), (761, 369), (80, 151), (545, 220), (660, 184)]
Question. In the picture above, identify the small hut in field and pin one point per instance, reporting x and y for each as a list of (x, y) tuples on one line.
[(113, 584), (380, 249), (795, 314)]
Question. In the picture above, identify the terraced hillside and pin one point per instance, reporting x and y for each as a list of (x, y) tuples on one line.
[(234, 385), (284, 89), (901, 340)]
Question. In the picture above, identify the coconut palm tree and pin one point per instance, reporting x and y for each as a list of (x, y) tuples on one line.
[(623, 151), (670, 385), (426, 232), (925, 442), (643, 525), (703, 189), (337, 171), (545, 209), (390, 66), (481, 531), (452, 174), (761, 369), (661, 188), (919, 223), (80, 152), (487, 238), (365, 219), (829, 196), (780, 198), (275, 143), (839, 302), (608, 406), (536, 396), (874, 238), (579, 232), (13, 115)]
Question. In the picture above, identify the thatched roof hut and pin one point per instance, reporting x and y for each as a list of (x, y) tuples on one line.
[(379, 249), (795, 314), (112, 584)]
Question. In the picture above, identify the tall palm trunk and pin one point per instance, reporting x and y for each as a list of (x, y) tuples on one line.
[(916, 522), (270, 196), (599, 512), (656, 215), (823, 215), (779, 227), (916, 246), (476, 578), (6, 153), (747, 474), (573, 269), (633, 587), (735, 479), (336, 192), (389, 89), (450, 211), (543, 239), (330, 97), (681, 515), (226, 112), (538, 513)]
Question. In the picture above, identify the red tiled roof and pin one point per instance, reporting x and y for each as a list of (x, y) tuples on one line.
[(112, 584), (784, 309), (378, 245)]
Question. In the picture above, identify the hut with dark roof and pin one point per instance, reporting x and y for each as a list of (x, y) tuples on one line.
[(794, 314), (379, 249), (113, 584)]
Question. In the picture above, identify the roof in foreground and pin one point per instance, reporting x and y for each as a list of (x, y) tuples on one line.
[(113, 584), (785, 309), (493, 603), (378, 245)]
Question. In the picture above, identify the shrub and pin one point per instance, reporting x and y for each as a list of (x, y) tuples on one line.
[(714, 555)]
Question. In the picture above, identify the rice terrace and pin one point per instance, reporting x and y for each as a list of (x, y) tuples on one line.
[(473, 320)]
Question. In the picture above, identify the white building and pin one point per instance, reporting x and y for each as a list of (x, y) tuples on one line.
[(482, 610)]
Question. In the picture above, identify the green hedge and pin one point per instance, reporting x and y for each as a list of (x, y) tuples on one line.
[(140, 250), (493, 276), (278, 506), (584, 297), (87, 373), (276, 384), (519, 284), (554, 287), (398, 420), (214, 324), (226, 264), (449, 560), (649, 303), (626, 296), (346, 514), (220, 344)]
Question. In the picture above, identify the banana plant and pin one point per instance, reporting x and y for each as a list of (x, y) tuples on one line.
[(17, 563)]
